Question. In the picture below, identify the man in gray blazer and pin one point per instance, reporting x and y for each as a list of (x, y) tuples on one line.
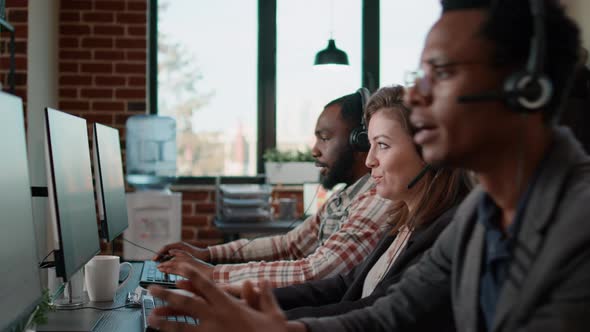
[(517, 255)]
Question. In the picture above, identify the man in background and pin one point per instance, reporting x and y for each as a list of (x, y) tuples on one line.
[(339, 236)]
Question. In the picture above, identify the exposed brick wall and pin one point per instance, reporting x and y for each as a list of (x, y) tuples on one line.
[(17, 16), (198, 210), (103, 60), (102, 69)]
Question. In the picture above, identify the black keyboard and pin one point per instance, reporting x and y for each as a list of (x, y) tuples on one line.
[(150, 275), (149, 303)]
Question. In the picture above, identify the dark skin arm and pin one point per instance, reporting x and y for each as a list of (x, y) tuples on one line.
[(181, 258), (165, 253)]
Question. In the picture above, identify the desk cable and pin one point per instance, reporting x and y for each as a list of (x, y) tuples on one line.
[(139, 246), (128, 305), (43, 264), (247, 243)]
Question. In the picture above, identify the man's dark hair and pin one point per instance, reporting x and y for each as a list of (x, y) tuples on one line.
[(352, 108), (510, 27)]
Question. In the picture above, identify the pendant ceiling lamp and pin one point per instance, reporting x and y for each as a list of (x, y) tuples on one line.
[(331, 55)]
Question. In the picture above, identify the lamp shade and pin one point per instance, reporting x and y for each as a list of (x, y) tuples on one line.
[(331, 55)]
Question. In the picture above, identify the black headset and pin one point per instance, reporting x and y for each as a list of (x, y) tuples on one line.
[(359, 138), (528, 90)]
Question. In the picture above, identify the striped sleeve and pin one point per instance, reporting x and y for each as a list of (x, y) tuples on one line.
[(295, 244), (343, 250)]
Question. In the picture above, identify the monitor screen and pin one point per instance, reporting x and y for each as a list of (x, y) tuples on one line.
[(110, 187), (71, 194), (20, 286)]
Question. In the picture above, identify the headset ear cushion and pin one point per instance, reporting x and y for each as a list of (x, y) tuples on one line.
[(515, 89), (365, 95), (359, 139)]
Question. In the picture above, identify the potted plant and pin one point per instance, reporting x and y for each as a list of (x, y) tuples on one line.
[(290, 167), (39, 315)]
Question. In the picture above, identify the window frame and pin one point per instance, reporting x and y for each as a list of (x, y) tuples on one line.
[(266, 82)]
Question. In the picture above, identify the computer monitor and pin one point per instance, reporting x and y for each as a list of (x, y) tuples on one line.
[(20, 286), (71, 194), (109, 183)]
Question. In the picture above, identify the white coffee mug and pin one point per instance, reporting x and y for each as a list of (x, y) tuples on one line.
[(102, 277)]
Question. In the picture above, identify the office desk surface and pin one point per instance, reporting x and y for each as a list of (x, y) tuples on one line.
[(125, 319)]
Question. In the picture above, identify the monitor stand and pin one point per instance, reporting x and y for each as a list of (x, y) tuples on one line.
[(74, 295)]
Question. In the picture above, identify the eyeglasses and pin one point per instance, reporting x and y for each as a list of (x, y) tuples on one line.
[(418, 79), (423, 80)]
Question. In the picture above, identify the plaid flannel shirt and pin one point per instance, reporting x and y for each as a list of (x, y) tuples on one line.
[(339, 236)]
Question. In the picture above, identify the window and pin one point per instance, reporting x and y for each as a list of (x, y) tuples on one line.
[(404, 26), (234, 96), (303, 28), (207, 76)]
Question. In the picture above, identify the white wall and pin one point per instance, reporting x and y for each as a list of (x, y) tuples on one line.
[(579, 10), (42, 91)]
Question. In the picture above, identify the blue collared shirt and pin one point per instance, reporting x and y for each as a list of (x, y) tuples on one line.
[(497, 251)]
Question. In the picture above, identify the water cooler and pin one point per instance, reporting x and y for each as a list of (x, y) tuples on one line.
[(154, 211)]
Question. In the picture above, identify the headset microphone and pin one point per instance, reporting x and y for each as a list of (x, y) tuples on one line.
[(530, 89), (482, 97), (420, 175)]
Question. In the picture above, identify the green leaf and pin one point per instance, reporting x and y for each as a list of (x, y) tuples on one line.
[(274, 155), (40, 315)]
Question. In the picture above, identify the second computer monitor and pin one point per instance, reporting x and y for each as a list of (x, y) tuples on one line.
[(71, 193), (20, 287), (110, 186)]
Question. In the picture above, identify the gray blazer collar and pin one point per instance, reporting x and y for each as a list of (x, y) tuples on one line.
[(563, 155)]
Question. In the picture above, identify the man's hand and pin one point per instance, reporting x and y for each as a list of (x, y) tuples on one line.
[(182, 257), (200, 253), (216, 310)]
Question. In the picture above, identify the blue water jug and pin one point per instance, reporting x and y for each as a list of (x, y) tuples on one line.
[(150, 151)]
